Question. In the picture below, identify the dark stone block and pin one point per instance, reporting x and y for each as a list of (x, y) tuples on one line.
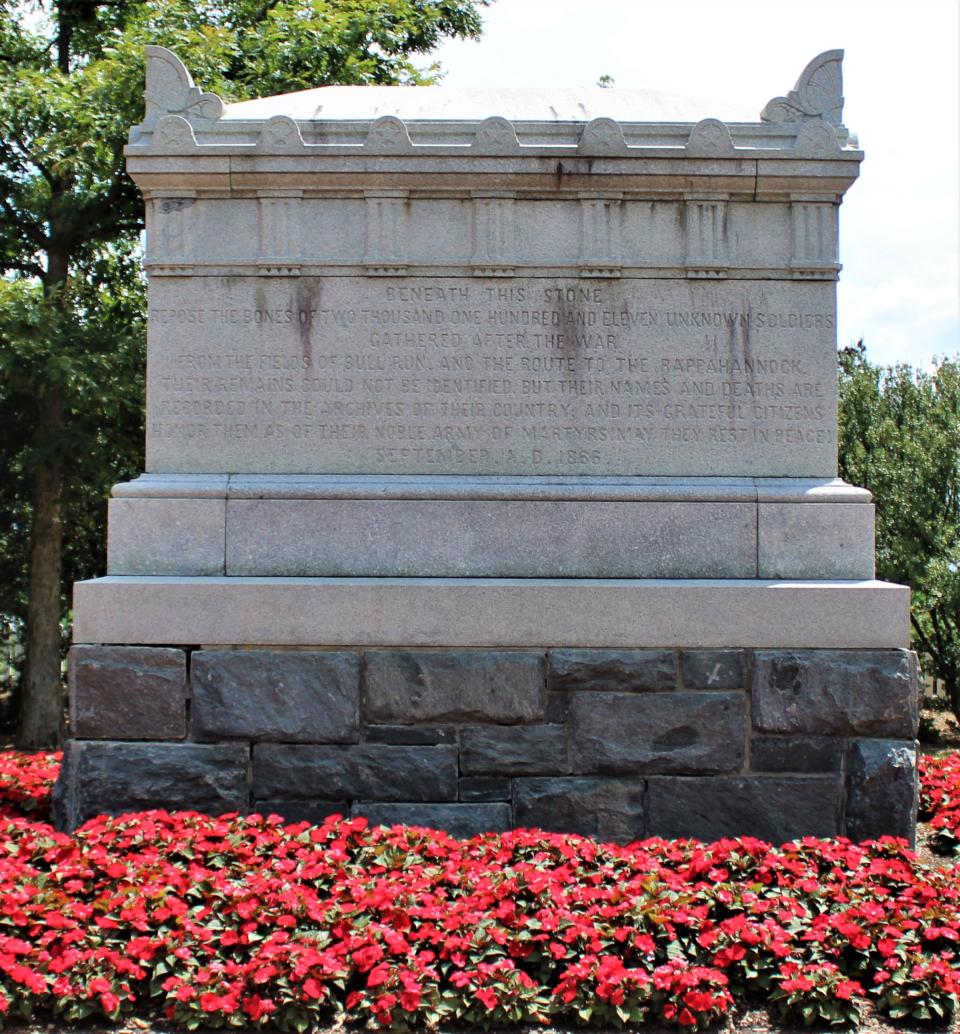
[(608, 809), (714, 669), (881, 789), (558, 707), (622, 670), (485, 788), (658, 732), (405, 686), (313, 812), (411, 735), (290, 695), (773, 808), (796, 754), (128, 693), (459, 820), (836, 692), (368, 771), (514, 750), (108, 777)]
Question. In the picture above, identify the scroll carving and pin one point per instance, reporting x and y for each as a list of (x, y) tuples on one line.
[(170, 89), (817, 95)]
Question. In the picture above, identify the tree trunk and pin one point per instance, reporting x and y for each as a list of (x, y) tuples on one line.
[(41, 685), (41, 696)]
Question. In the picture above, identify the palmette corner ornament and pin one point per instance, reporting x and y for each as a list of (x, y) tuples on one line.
[(818, 93), (170, 90)]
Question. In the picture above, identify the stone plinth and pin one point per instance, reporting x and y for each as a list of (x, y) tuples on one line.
[(491, 474)]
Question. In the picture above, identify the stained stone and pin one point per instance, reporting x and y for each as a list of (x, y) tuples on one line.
[(404, 686), (658, 732), (286, 695), (514, 750), (796, 754), (104, 777), (459, 820), (713, 669), (362, 771), (836, 692), (773, 808), (127, 692), (612, 669), (608, 809), (881, 789)]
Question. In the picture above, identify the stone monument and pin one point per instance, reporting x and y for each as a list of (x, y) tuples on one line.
[(491, 474)]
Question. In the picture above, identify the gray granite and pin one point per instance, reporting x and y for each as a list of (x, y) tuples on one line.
[(492, 612), (881, 789), (366, 770), (304, 696), (836, 692), (815, 540), (459, 820), (605, 808), (410, 735), (489, 538), (622, 670), (405, 686), (166, 536), (105, 777), (773, 808), (796, 754), (514, 750), (127, 693), (314, 812), (658, 732), (714, 669), (485, 788)]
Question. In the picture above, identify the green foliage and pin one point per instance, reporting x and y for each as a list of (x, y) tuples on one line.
[(900, 437), (72, 328)]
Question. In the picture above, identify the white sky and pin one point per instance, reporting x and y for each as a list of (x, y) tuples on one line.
[(900, 224)]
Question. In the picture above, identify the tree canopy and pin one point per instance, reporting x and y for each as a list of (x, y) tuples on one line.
[(71, 296)]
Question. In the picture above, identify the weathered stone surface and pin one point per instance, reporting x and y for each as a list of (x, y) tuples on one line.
[(773, 808), (514, 750), (485, 788), (363, 771), (815, 540), (796, 754), (836, 692), (404, 686), (166, 536), (278, 695), (459, 820), (127, 693), (881, 789), (410, 735), (658, 732), (714, 669), (313, 812), (111, 777), (492, 613), (558, 707), (609, 809), (623, 670)]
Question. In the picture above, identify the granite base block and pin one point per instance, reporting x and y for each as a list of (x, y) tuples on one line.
[(614, 744)]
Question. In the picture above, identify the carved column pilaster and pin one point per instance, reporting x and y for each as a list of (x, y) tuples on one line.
[(494, 234), (385, 237), (170, 232), (706, 237), (814, 228), (600, 254), (280, 220)]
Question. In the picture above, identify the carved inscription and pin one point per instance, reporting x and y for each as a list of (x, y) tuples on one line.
[(534, 376)]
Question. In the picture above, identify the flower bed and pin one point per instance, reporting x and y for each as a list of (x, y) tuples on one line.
[(250, 921), (940, 798)]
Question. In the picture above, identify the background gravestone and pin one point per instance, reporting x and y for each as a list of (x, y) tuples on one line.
[(491, 473)]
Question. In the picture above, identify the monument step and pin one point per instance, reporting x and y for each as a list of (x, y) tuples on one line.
[(484, 612)]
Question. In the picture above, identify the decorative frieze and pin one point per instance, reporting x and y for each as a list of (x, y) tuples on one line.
[(600, 254), (385, 235), (706, 238), (280, 220), (814, 230)]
